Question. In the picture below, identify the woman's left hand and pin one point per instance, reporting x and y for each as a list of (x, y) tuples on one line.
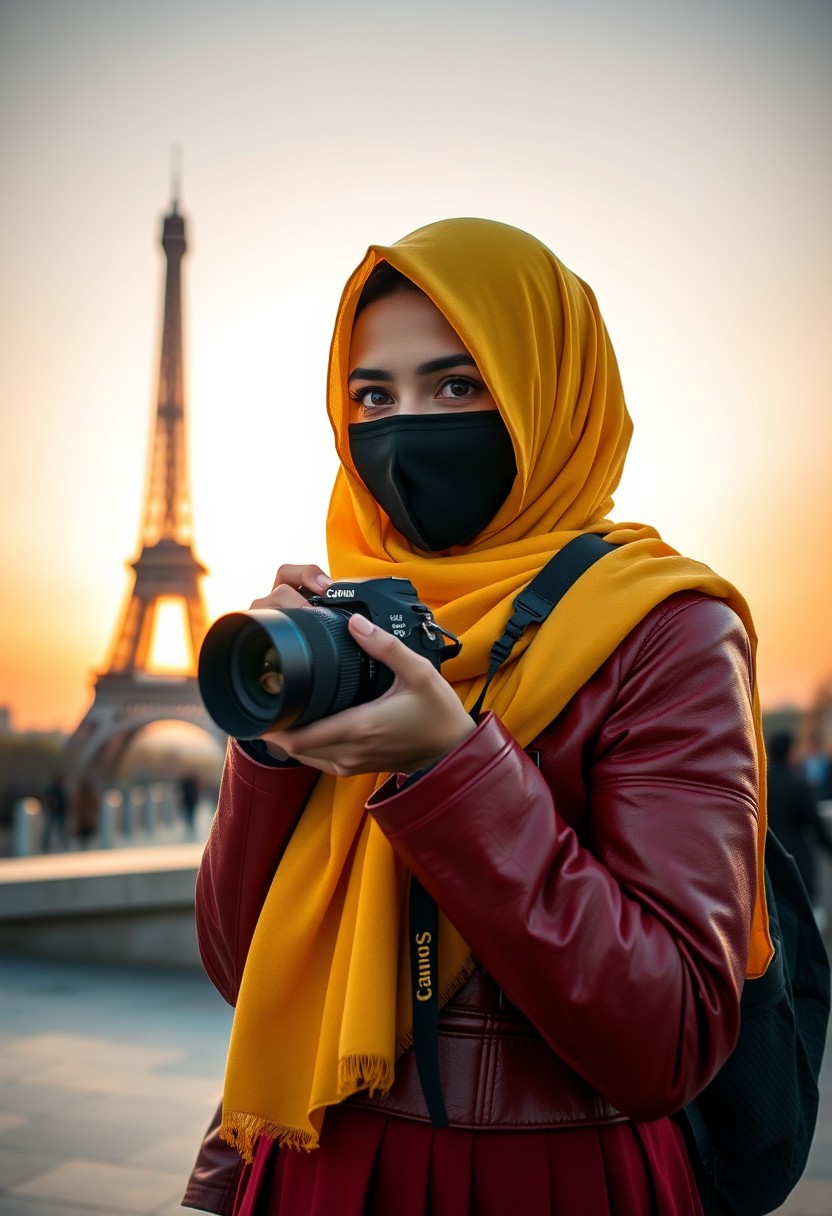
[(411, 726)]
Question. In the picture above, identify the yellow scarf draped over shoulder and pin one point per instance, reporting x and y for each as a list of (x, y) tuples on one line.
[(324, 1005)]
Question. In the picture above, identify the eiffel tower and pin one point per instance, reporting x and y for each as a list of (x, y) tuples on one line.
[(128, 696)]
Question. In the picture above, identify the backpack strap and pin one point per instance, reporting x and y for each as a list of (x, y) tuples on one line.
[(536, 601), (531, 606)]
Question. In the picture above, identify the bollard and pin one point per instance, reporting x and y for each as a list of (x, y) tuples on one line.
[(148, 808), (169, 806), (28, 826), (110, 805), (133, 802)]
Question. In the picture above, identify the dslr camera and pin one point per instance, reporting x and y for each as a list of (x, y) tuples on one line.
[(273, 669)]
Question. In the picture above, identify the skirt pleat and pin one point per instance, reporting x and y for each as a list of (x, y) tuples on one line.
[(580, 1182), (401, 1183), (451, 1173), (369, 1164), (511, 1173), (669, 1171)]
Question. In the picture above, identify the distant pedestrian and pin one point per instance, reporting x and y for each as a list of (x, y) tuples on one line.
[(56, 808), (86, 808), (817, 765), (189, 796), (793, 814)]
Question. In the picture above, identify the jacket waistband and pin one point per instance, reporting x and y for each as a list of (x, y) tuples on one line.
[(496, 1070)]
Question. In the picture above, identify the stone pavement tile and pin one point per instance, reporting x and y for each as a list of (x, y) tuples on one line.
[(36, 1207), (91, 1051), (194, 1039), (820, 1160), (19, 1098), (17, 1166), (198, 1064), (13, 1065), (126, 1076), (823, 1130), (70, 1137), (176, 1154), (120, 1069), (83, 1063), (140, 1004), (812, 1197), (195, 1034), (103, 1187), (180, 1118), (9, 1121), (174, 1119)]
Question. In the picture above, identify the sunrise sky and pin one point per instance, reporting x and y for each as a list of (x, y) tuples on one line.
[(675, 155)]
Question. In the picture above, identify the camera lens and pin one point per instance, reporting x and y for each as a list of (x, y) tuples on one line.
[(266, 668), (255, 672), (271, 677)]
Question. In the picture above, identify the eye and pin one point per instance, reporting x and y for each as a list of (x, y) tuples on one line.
[(371, 398), (458, 388)]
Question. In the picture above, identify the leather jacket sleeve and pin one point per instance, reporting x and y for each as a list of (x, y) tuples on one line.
[(213, 1183), (622, 938), (257, 810)]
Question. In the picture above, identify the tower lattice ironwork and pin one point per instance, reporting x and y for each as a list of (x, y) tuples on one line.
[(128, 696)]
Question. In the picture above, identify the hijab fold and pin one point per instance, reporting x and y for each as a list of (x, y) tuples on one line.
[(324, 1003)]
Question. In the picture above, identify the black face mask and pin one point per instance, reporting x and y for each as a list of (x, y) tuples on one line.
[(440, 477)]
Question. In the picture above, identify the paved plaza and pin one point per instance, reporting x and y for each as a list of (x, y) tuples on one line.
[(108, 1076)]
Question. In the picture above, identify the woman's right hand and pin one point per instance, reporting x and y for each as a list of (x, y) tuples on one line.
[(287, 583)]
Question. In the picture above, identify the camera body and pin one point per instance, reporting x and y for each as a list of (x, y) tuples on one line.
[(274, 669), (392, 604)]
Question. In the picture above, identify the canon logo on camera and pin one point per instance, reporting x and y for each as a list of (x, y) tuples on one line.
[(339, 593)]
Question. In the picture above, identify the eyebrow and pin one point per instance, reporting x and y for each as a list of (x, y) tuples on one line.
[(424, 369)]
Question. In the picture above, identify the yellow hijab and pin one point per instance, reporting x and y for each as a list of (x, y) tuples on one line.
[(324, 1005)]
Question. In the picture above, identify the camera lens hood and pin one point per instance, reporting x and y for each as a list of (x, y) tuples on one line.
[(309, 654), (231, 660)]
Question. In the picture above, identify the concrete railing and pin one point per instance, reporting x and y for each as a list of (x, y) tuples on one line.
[(129, 898), (131, 905)]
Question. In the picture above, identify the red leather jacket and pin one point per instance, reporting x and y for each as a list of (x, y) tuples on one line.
[(606, 889)]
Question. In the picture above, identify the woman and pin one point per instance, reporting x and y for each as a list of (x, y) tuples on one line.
[(592, 841)]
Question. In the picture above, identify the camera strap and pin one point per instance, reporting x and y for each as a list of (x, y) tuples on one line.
[(536, 601), (531, 606), (424, 985)]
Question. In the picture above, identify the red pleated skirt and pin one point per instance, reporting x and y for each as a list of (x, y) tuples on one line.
[(369, 1164)]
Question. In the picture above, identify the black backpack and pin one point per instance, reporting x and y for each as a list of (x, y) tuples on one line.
[(750, 1130)]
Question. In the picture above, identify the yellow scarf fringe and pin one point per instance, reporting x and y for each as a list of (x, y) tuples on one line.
[(243, 1131), (365, 1072)]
